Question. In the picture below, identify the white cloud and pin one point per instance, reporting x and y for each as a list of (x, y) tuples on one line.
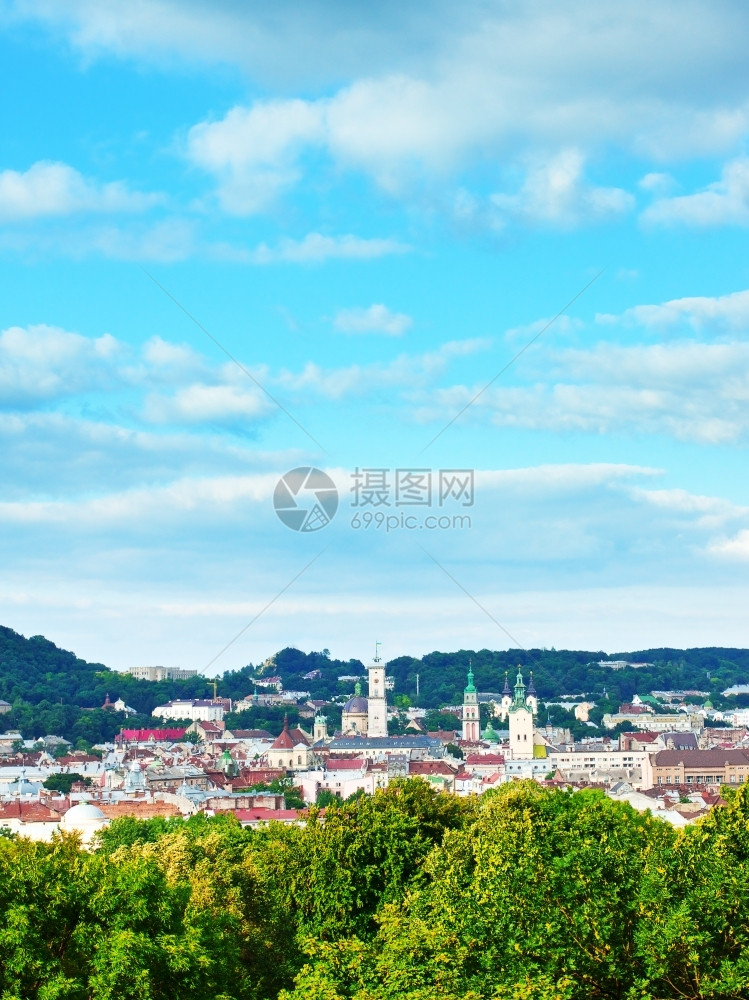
[(41, 363), (459, 74), (376, 319), (735, 548), (253, 151), (406, 371), (723, 203), (702, 313), (316, 248), (208, 404), (492, 84), (556, 193), (697, 510), (687, 390), (658, 183), (48, 189)]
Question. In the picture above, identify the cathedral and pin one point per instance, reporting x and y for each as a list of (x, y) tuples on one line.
[(367, 716)]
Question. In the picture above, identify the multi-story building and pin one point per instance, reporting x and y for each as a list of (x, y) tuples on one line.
[(584, 763), (160, 673), (696, 767), (656, 723), (195, 709)]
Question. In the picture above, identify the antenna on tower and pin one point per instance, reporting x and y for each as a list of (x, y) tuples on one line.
[(214, 690), (377, 652)]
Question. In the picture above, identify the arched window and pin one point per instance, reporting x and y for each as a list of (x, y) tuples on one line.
[(299, 760)]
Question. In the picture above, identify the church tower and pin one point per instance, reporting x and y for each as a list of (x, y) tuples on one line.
[(506, 699), (520, 716), (320, 732), (471, 724), (532, 698), (377, 721)]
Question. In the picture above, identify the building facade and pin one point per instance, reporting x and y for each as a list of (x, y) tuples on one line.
[(696, 767), (197, 710), (160, 673)]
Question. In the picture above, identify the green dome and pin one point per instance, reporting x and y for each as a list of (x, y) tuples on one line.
[(490, 734)]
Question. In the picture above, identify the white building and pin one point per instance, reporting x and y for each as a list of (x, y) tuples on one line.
[(197, 710), (599, 765), (160, 673)]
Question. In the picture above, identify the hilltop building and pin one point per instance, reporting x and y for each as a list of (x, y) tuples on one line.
[(160, 673)]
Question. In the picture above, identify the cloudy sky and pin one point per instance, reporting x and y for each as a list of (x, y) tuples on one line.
[(242, 238)]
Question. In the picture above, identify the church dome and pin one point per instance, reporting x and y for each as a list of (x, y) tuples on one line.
[(357, 704), (82, 817)]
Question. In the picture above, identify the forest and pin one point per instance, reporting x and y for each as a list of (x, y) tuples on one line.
[(527, 893)]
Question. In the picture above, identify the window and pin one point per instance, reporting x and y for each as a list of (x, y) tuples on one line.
[(299, 760), (659, 779)]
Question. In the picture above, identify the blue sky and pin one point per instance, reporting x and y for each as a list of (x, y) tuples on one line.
[(373, 209)]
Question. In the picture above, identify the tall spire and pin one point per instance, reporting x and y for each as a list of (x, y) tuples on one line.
[(470, 687), (518, 700), (507, 686), (531, 688)]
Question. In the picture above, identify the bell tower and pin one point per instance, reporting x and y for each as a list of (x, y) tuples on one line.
[(520, 716), (377, 717), (471, 723)]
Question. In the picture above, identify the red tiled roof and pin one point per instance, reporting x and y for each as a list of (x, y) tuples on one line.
[(345, 763), (284, 742), (485, 758), (143, 735), (29, 812), (430, 767), (299, 736), (261, 814)]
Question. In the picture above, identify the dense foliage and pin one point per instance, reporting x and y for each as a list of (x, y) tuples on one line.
[(527, 894), (442, 676), (53, 691)]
